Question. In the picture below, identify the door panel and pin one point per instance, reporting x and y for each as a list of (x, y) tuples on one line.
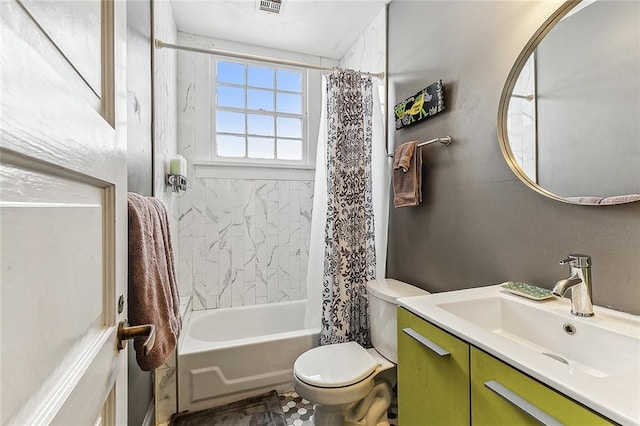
[(75, 29), (16, 16), (41, 273), (62, 224)]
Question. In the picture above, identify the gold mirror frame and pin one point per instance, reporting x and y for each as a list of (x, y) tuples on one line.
[(503, 106)]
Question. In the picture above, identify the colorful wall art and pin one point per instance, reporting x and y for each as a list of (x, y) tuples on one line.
[(424, 104)]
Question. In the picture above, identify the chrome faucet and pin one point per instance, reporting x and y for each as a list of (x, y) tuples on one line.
[(579, 282)]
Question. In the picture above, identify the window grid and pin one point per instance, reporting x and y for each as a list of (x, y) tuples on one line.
[(275, 135)]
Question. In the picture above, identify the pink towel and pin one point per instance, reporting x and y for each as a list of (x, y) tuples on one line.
[(403, 155), (153, 291), (407, 175), (619, 199), (616, 199)]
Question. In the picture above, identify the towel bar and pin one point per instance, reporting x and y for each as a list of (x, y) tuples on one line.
[(444, 140)]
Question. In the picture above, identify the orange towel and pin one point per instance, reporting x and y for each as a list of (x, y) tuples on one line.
[(407, 175), (153, 291)]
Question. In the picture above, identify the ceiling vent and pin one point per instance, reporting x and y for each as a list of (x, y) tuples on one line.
[(271, 6)]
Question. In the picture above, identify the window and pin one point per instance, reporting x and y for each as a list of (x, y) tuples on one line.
[(259, 112)]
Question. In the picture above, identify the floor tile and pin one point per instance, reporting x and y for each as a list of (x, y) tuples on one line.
[(299, 412)]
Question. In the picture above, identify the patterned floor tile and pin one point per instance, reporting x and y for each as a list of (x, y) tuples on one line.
[(299, 412)]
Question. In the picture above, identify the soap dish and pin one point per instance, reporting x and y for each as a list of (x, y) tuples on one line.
[(527, 290)]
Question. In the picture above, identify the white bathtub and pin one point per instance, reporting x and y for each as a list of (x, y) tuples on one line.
[(232, 353)]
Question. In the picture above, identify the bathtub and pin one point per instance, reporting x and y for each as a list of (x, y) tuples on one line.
[(229, 354)]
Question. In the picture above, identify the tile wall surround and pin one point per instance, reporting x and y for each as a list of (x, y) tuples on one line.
[(165, 113), (243, 241), (368, 53), (249, 240), (165, 144)]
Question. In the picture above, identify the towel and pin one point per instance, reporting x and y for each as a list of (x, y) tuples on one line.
[(619, 199), (407, 175), (153, 292), (585, 200), (616, 199)]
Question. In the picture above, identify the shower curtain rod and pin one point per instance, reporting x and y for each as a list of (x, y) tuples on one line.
[(162, 45)]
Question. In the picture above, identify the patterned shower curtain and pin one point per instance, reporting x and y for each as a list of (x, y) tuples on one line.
[(350, 255)]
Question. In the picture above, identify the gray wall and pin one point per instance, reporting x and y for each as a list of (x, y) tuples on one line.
[(139, 156), (588, 98), (479, 224)]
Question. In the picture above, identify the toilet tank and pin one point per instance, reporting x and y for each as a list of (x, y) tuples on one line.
[(383, 304)]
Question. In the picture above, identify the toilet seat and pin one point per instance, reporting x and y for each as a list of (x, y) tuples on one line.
[(335, 366)]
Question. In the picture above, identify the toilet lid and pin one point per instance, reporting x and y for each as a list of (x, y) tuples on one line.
[(333, 366)]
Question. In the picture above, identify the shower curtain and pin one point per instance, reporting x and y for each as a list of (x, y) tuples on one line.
[(350, 210)]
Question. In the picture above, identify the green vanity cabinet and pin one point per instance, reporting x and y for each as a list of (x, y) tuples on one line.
[(493, 382), (443, 380), (433, 389)]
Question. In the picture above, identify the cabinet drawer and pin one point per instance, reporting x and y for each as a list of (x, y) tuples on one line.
[(494, 382), (433, 374)]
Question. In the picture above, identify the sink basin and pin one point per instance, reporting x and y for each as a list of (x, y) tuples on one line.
[(595, 361), (583, 345)]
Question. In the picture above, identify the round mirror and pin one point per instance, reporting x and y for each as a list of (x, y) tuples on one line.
[(569, 115)]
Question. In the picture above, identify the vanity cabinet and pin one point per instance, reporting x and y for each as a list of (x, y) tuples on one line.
[(433, 386), (500, 394), (444, 380)]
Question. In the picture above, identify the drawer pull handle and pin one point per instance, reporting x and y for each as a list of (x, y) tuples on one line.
[(522, 404), (426, 342)]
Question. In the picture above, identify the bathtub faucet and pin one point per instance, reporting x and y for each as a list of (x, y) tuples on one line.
[(579, 282)]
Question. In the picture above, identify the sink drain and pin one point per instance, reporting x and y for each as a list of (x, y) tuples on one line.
[(556, 357), (569, 328)]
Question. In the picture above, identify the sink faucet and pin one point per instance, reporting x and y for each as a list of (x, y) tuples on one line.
[(579, 282)]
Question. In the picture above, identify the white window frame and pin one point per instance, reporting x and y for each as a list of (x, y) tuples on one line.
[(303, 115)]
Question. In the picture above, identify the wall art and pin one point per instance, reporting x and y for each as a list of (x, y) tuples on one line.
[(424, 104)]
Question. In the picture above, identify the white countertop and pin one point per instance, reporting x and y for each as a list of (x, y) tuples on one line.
[(616, 396)]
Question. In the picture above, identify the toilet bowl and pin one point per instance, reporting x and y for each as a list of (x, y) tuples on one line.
[(351, 385)]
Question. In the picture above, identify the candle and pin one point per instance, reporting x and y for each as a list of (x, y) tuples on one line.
[(178, 165)]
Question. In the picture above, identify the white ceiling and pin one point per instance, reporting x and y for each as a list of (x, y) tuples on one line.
[(317, 27)]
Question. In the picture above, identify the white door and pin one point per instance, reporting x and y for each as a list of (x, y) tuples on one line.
[(63, 216)]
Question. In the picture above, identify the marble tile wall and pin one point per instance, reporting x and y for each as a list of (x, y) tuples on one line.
[(368, 53), (191, 203), (165, 144), (249, 240)]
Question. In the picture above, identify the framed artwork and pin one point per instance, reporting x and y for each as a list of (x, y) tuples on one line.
[(424, 104)]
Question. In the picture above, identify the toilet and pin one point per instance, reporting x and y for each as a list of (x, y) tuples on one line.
[(351, 385)]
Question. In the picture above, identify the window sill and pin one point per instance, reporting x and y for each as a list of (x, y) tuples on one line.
[(228, 170)]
